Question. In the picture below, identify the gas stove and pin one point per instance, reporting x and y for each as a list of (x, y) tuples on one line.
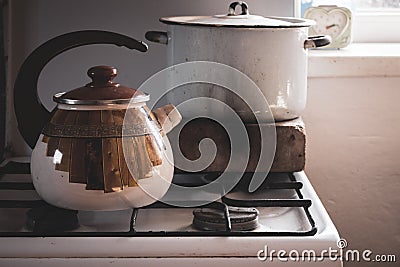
[(284, 214)]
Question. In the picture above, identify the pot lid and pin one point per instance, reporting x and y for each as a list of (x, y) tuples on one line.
[(239, 20), (102, 90)]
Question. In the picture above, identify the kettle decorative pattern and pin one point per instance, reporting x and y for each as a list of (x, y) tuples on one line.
[(91, 146)]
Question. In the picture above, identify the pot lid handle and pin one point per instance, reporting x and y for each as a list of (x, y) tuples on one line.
[(243, 5)]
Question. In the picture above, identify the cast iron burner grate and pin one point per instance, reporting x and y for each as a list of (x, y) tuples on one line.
[(228, 222)]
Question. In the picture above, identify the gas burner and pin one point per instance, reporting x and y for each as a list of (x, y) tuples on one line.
[(238, 218), (49, 219)]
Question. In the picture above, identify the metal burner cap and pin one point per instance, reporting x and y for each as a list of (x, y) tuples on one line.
[(210, 219)]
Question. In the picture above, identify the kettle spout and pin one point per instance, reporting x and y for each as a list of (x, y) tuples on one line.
[(168, 117)]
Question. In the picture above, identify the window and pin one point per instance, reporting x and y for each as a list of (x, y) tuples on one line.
[(374, 21), (377, 21), (377, 4)]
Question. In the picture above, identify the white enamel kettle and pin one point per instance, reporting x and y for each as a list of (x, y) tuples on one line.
[(101, 148)]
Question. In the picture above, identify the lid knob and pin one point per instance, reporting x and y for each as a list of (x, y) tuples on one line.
[(102, 76), (243, 5)]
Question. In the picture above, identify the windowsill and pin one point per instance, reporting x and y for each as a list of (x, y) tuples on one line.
[(356, 60)]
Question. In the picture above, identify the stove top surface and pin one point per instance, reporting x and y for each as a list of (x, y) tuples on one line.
[(292, 218)]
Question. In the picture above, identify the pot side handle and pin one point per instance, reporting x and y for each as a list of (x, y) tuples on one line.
[(168, 117), (29, 110), (317, 41), (157, 37)]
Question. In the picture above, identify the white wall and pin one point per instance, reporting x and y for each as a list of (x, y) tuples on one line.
[(353, 158)]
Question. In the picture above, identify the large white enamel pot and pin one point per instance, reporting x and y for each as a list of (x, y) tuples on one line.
[(272, 51)]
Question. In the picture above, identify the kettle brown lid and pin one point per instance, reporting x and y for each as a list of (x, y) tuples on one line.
[(102, 90)]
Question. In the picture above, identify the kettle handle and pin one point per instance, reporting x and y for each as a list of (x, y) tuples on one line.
[(29, 110)]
